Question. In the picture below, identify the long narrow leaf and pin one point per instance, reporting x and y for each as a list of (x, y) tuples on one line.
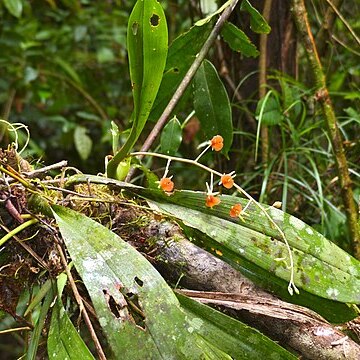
[(147, 42)]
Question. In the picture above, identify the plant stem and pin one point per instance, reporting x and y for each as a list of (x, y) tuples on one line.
[(323, 97), (188, 77), (327, 24), (15, 231), (262, 84)]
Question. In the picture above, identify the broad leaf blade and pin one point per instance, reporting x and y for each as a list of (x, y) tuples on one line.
[(147, 42), (171, 137), (257, 23), (238, 40), (117, 277), (231, 336), (212, 105), (182, 53)]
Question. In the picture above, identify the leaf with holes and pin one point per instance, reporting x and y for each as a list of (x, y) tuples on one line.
[(147, 43), (137, 310), (212, 105), (334, 274)]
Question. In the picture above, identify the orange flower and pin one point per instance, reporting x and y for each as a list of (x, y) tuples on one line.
[(217, 142), (166, 184), (212, 201), (235, 210), (227, 180)]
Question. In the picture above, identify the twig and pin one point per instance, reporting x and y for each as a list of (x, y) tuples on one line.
[(323, 97), (347, 25), (186, 81), (2, 332), (45, 169), (81, 305)]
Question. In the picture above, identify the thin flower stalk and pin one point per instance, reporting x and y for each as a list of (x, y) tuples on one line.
[(291, 287)]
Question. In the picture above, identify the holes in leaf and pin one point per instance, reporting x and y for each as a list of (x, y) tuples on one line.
[(114, 307), (138, 281), (154, 20), (135, 27), (175, 70), (134, 308)]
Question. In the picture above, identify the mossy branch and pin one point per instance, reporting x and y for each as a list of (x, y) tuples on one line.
[(323, 98)]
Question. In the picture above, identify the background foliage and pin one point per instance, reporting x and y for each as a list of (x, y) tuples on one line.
[(64, 73)]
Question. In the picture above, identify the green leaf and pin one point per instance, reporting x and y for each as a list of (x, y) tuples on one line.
[(316, 269), (231, 336), (238, 40), (268, 110), (147, 42), (182, 53), (14, 7), (257, 23), (212, 105), (137, 310), (171, 137), (83, 142), (64, 342), (36, 334)]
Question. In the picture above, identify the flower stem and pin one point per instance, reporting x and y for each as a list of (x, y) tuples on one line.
[(292, 287)]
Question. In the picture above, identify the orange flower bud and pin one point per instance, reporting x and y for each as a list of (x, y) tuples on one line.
[(212, 201), (166, 184), (227, 181), (235, 210), (217, 142)]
